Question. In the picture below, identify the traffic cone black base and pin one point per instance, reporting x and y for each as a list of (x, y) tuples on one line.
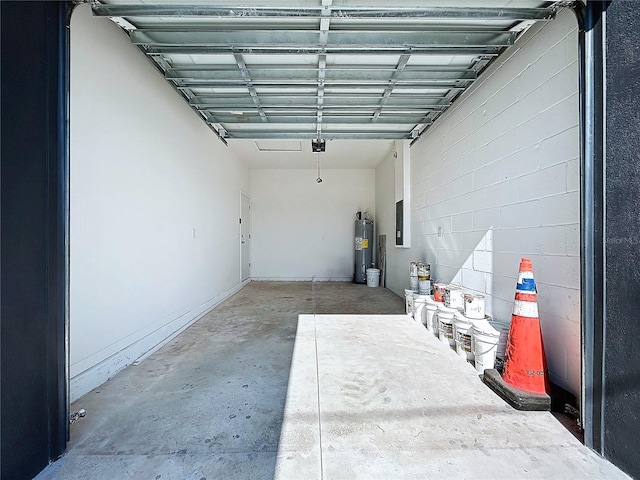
[(517, 398)]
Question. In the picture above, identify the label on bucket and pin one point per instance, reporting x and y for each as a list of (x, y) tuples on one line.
[(424, 287), (447, 329), (465, 342), (474, 306), (453, 297)]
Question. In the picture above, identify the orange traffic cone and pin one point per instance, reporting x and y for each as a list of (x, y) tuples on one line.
[(525, 380)]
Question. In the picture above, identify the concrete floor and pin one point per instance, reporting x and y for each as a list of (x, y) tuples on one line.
[(254, 391)]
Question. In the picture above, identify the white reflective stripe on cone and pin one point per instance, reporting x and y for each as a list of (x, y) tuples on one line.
[(525, 309)]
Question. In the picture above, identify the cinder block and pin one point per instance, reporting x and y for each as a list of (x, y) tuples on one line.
[(573, 239), (506, 264), (473, 280), (560, 301), (560, 209), (436, 209), (469, 202), (559, 148), (542, 183), (474, 240), (473, 160), (483, 261), (557, 270), (452, 206), (502, 193), (573, 175), (560, 117), (462, 222), (422, 214), (525, 214), (486, 218), (501, 147), (503, 287)]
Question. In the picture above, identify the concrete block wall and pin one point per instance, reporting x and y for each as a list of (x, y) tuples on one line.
[(497, 178)]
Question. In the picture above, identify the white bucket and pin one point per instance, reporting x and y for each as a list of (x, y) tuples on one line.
[(431, 316), (453, 297), (419, 304), (503, 328), (445, 325), (373, 277), (484, 344), (463, 332), (408, 301), (473, 306)]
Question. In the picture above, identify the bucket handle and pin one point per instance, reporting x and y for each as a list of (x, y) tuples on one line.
[(473, 345)]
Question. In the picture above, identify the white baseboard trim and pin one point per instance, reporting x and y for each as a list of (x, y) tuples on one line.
[(302, 279), (140, 349)]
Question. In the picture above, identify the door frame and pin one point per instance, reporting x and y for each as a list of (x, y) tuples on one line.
[(245, 195)]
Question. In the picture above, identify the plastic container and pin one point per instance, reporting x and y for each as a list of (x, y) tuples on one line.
[(432, 317), (419, 311), (503, 328), (484, 345), (373, 277)]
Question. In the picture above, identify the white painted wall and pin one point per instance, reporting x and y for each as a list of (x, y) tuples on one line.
[(145, 173), (499, 173), (302, 229)]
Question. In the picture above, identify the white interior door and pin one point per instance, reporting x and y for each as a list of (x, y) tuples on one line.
[(245, 236)]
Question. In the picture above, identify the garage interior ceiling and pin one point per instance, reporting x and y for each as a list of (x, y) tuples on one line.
[(327, 69)]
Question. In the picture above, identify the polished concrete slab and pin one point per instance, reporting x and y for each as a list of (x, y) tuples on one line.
[(261, 388)]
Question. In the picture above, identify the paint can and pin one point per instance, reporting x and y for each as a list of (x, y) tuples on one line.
[(414, 284), (438, 291), (413, 269), (473, 306), (424, 286), (424, 278), (453, 297)]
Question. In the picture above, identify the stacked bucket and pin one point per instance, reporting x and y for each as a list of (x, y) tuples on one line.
[(458, 319), (510, 355)]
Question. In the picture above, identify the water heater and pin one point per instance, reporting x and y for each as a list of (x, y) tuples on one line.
[(363, 249)]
